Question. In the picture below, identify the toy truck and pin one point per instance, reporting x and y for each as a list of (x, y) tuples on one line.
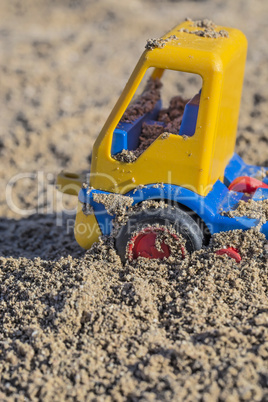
[(193, 170)]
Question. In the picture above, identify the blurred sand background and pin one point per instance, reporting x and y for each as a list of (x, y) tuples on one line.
[(63, 65)]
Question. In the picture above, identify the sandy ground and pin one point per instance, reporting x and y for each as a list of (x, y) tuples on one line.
[(78, 326)]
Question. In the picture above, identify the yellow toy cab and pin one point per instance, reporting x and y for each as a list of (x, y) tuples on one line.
[(182, 155)]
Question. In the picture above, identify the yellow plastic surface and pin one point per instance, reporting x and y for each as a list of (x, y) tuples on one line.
[(86, 230), (69, 183), (198, 161)]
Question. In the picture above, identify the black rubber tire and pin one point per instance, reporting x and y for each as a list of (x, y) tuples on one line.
[(182, 223)]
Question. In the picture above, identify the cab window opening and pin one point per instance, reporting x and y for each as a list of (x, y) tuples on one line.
[(166, 105)]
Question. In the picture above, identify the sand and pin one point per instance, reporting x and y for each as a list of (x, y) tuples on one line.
[(81, 326), (169, 119), (79, 329)]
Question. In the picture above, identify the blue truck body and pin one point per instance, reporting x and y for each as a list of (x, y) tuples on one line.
[(211, 208)]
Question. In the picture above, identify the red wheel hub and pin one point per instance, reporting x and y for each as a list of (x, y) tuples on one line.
[(231, 252), (144, 245), (246, 184)]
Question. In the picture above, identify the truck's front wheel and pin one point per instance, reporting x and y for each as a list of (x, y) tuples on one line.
[(158, 233)]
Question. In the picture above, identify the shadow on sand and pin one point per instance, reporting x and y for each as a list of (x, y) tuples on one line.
[(39, 235)]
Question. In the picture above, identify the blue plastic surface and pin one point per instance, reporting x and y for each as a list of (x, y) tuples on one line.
[(126, 135), (189, 119), (208, 208), (237, 167)]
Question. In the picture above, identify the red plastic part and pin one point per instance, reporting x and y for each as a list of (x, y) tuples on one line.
[(143, 245), (231, 252), (246, 184)]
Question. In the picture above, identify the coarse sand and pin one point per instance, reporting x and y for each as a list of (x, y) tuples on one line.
[(91, 328), (80, 326), (171, 117)]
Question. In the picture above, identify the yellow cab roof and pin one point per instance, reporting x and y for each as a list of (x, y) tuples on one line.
[(193, 41)]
